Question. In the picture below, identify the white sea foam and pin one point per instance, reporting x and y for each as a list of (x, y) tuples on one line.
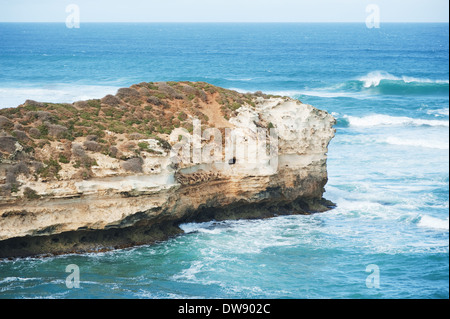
[(17, 279), (11, 97), (443, 145), (239, 79), (382, 119), (326, 93), (409, 79), (329, 94), (433, 222), (206, 227), (439, 112)]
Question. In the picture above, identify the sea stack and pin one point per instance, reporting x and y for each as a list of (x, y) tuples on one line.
[(127, 169)]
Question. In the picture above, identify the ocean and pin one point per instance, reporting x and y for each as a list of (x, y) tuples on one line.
[(388, 165)]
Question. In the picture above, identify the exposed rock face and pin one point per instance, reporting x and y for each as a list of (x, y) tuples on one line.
[(112, 207)]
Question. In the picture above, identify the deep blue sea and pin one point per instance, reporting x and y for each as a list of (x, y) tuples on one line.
[(388, 164)]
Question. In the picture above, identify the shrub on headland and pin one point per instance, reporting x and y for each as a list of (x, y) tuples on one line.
[(20, 135), (5, 123), (57, 131), (143, 146), (8, 144), (42, 116), (169, 90), (127, 92), (110, 100), (135, 136), (63, 159), (81, 104), (78, 150), (50, 170), (34, 132), (113, 151), (85, 162), (92, 146), (10, 178), (30, 193), (19, 168), (31, 103), (163, 143), (92, 138), (133, 165), (5, 189), (154, 100), (83, 173)]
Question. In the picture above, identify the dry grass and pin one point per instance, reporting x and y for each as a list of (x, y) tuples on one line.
[(52, 133)]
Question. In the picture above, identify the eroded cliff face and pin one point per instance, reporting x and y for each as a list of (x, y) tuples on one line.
[(265, 158)]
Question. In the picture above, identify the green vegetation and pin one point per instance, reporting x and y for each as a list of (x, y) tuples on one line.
[(147, 110), (164, 144), (85, 162), (14, 188), (182, 116), (94, 103), (63, 159), (43, 129), (30, 193), (50, 169), (143, 146)]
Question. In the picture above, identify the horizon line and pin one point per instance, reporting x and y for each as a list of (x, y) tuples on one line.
[(230, 22)]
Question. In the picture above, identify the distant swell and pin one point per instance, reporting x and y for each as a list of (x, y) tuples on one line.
[(372, 84), (381, 119), (443, 145)]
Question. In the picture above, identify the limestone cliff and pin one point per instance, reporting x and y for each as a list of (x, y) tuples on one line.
[(128, 169)]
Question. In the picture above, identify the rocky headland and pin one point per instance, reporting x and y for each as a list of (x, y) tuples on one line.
[(127, 169)]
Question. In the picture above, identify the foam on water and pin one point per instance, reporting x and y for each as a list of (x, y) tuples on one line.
[(387, 120), (325, 93), (439, 112), (387, 165), (197, 227), (443, 145), (433, 223), (17, 279)]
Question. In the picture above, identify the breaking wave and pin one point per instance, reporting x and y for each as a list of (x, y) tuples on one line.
[(433, 223), (381, 82)]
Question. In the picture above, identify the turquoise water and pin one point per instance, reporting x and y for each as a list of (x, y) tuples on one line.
[(388, 164)]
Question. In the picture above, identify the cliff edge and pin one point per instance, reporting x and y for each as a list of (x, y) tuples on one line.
[(127, 169)]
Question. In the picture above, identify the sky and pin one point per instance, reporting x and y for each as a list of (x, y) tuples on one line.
[(224, 10)]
